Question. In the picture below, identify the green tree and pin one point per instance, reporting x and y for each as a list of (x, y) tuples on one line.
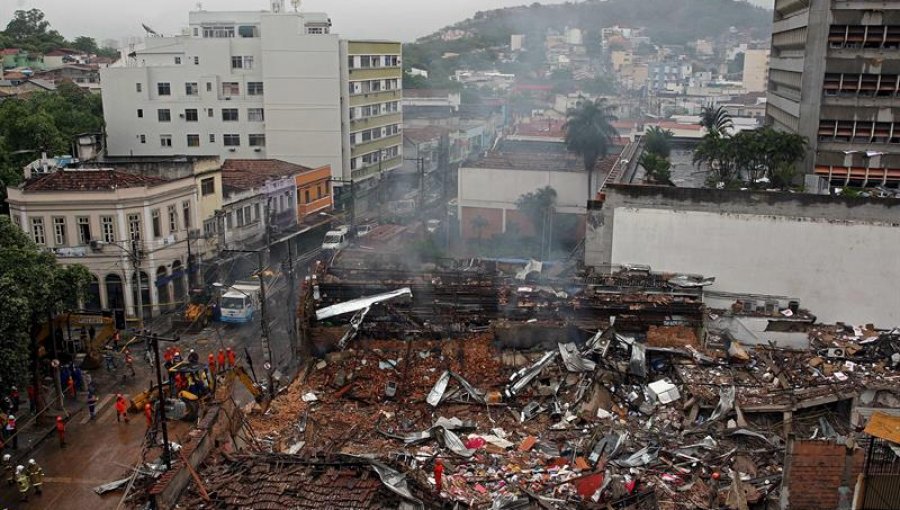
[(85, 44), (539, 206), (29, 30), (717, 154), (589, 132), (717, 121), (411, 81), (32, 285), (658, 141), (658, 168)]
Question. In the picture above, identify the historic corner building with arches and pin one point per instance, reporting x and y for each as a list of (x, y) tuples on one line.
[(120, 224)]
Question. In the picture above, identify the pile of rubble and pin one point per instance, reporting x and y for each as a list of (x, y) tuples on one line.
[(652, 420)]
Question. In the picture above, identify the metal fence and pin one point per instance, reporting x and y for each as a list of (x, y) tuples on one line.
[(881, 489)]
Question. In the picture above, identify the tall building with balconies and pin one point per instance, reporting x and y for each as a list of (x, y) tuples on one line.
[(834, 77), (259, 85), (373, 80)]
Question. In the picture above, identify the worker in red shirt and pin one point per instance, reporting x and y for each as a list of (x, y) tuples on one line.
[(61, 431), (221, 360), (438, 475), (212, 364), (231, 357), (148, 413), (70, 387), (121, 409)]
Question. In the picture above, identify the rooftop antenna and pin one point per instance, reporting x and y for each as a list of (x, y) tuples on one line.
[(199, 6), (296, 4)]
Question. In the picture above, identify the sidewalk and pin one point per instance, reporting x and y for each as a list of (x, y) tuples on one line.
[(97, 451)]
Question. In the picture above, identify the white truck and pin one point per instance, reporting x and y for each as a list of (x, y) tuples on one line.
[(240, 302), (336, 239)]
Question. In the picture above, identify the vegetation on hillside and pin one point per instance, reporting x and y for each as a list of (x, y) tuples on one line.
[(667, 22), (31, 31)]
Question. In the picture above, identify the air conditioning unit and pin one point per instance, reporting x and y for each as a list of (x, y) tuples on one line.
[(231, 149), (96, 245), (181, 115), (257, 149), (834, 353)]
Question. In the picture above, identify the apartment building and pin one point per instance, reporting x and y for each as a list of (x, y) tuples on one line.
[(259, 85), (117, 224), (373, 78), (834, 78), (755, 74)]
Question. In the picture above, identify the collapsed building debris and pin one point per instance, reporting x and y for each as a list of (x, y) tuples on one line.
[(531, 397)]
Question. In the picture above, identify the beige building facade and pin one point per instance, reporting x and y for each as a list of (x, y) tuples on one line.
[(118, 224)]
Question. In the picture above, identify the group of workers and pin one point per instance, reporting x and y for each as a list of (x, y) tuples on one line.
[(24, 477)]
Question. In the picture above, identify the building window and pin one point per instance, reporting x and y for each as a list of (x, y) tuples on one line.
[(231, 89), (165, 140), (209, 227), (156, 222), (212, 138), (208, 186), (134, 226), (186, 214), (163, 89), (164, 115), (306, 197), (37, 230), (231, 140), (190, 115), (84, 230), (210, 112), (350, 62), (244, 62), (258, 140), (138, 87), (140, 113), (230, 114), (173, 219), (193, 140), (254, 88), (255, 115), (108, 229), (177, 61), (248, 31), (196, 61), (218, 31), (191, 89), (143, 138), (209, 86), (59, 231)]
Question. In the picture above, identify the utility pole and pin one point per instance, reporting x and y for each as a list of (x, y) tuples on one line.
[(267, 346), (161, 408), (292, 297), (136, 263)]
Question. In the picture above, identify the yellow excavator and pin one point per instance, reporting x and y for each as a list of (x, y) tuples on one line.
[(190, 401)]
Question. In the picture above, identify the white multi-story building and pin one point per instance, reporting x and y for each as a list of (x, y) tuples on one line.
[(248, 84)]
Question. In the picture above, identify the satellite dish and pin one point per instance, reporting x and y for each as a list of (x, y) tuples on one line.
[(149, 30)]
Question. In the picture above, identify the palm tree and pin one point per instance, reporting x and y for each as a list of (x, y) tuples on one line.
[(589, 132), (717, 121), (658, 141)]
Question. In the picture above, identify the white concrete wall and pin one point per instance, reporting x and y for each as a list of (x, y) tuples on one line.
[(301, 100), (840, 271), (500, 188)]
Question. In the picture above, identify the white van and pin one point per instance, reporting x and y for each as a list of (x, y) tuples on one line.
[(336, 239)]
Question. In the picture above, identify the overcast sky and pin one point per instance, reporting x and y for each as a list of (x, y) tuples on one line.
[(389, 19)]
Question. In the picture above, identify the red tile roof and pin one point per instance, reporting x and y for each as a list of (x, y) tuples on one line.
[(10, 51), (246, 174), (90, 180)]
